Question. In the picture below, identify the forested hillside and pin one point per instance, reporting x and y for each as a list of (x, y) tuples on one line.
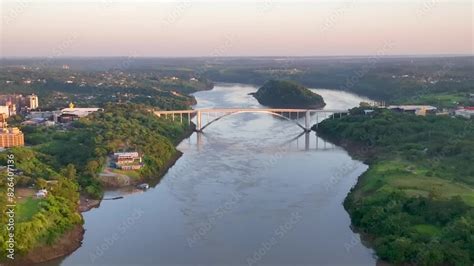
[(67, 163), (288, 94), (416, 201)]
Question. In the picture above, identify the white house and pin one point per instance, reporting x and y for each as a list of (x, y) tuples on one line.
[(467, 112), (42, 193)]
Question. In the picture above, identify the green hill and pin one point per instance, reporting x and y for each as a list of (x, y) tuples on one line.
[(287, 94)]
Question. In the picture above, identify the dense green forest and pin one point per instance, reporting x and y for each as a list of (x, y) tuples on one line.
[(445, 82), (416, 201), (134, 127), (86, 144), (287, 94), (67, 163)]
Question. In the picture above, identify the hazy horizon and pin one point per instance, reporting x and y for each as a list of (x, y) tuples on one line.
[(243, 56), (235, 28)]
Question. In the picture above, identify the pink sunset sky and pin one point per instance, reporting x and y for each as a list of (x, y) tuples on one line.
[(235, 28)]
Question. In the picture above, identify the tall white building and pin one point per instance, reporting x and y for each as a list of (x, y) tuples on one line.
[(33, 102), (4, 111), (8, 109)]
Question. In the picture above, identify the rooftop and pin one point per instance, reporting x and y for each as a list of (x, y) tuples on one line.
[(12, 130), (79, 111), (126, 154), (413, 107)]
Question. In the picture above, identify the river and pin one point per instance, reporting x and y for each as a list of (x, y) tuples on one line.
[(247, 191)]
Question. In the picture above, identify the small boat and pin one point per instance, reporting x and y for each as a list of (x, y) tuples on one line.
[(114, 198), (143, 186)]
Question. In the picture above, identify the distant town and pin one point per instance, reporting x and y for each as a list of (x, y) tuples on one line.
[(27, 107)]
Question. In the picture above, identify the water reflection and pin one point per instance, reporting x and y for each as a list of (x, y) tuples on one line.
[(304, 141)]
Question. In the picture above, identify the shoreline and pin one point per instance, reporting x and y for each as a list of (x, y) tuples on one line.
[(66, 244), (365, 154), (72, 239)]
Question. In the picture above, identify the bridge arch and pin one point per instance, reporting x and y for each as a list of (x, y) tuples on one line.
[(224, 112), (252, 111)]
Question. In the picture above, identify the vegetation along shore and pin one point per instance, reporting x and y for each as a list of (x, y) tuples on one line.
[(67, 163), (416, 200)]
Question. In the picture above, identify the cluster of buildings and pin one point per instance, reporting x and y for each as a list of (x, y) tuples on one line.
[(66, 115), (415, 109), (466, 112), (12, 104), (127, 160)]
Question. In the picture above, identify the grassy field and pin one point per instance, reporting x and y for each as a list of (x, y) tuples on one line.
[(444, 100), (27, 209), (390, 175), (427, 230)]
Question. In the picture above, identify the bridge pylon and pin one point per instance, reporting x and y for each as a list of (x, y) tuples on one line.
[(307, 121), (198, 121)]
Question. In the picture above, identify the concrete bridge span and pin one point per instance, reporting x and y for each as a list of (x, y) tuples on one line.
[(214, 115)]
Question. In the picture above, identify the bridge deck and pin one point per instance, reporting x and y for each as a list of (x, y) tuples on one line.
[(233, 110), (223, 112)]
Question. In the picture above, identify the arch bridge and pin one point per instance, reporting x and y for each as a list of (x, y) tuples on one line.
[(214, 115)]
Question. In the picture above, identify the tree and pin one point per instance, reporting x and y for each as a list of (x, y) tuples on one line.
[(70, 172), (92, 167)]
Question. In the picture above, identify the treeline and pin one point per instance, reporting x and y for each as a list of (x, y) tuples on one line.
[(416, 200), (448, 81)]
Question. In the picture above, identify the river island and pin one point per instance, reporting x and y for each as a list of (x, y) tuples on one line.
[(288, 94)]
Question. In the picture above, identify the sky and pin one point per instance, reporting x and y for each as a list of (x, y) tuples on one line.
[(53, 28)]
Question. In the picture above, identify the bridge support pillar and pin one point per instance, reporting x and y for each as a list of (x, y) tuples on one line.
[(306, 141), (307, 120), (198, 121)]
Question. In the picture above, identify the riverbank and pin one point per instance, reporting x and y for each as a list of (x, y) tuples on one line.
[(116, 181), (66, 244), (409, 204), (72, 240)]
